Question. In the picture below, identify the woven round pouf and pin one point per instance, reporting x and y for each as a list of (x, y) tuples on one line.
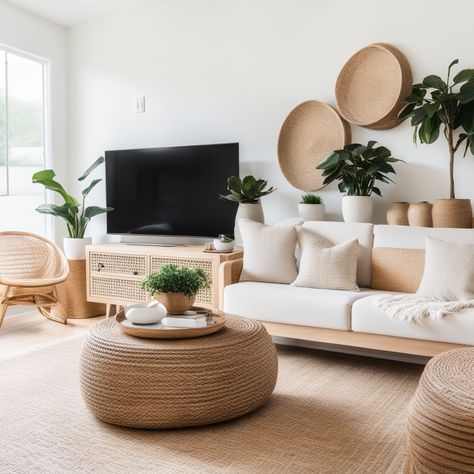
[(149, 383), (441, 417)]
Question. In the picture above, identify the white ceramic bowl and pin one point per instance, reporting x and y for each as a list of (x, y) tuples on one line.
[(142, 314), (223, 246)]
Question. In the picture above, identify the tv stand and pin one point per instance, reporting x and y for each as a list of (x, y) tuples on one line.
[(115, 271)]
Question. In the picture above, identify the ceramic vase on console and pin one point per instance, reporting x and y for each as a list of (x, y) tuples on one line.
[(452, 213), (419, 214), (247, 210), (397, 213), (357, 208)]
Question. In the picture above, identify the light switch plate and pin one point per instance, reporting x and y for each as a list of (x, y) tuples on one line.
[(140, 104)]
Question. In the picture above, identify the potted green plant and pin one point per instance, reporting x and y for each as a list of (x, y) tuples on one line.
[(224, 243), (358, 168), (76, 215), (176, 287), (435, 105), (247, 192), (311, 207)]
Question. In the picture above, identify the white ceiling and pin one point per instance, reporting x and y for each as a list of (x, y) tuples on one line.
[(72, 12)]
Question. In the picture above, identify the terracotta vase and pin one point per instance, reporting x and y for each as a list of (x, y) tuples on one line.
[(452, 213), (175, 303), (397, 213), (419, 214)]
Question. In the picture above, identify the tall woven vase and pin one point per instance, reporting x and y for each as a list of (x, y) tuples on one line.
[(253, 211), (452, 213)]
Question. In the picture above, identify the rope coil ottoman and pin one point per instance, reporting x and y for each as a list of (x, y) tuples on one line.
[(441, 417), (148, 383)]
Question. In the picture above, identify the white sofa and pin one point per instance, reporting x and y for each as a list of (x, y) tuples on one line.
[(391, 259)]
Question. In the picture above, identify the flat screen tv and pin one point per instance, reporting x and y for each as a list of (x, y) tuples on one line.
[(171, 191)]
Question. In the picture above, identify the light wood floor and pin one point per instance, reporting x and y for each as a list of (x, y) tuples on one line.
[(30, 330)]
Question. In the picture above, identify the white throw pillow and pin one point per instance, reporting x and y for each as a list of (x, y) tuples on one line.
[(449, 271), (269, 252), (324, 265)]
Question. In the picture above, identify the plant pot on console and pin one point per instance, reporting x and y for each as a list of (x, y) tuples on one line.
[(452, 213), (357, 208)]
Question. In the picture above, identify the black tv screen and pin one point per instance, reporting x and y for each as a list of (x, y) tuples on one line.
[(171, 191)]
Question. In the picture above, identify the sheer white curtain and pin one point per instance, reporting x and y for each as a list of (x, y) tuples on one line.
[(22, 141)]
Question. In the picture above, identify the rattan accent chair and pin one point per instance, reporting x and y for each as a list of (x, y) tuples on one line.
[(30, 268)]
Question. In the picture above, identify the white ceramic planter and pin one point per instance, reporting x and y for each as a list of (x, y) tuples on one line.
[(357, 208), (75, 249), (252, 211), (223, 246), (311, 212)]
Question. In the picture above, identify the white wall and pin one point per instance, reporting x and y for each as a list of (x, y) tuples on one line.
[(34, 35), (219, 71)]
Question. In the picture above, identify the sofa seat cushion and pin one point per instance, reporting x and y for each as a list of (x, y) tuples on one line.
[(457, 328), (292, 305)]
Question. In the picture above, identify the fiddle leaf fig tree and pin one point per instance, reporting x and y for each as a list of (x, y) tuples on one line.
[(74, 213), (435, 105)]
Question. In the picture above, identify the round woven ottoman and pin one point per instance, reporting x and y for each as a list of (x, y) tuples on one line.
[(441, 417), (149, 383)]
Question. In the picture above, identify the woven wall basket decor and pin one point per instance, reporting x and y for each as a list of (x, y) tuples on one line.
[(310, 133), (373, 85)]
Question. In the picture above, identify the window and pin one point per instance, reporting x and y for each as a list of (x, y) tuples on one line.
[(22, 141)]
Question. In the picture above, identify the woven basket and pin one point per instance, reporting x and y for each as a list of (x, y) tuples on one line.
[(372, 86), (148, 383), (441, 416), (311, 132)]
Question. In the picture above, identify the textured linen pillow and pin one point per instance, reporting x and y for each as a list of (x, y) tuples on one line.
[(269, 252), (449, 271), (324, 265)]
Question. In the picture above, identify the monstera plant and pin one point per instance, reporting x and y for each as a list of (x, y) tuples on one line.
[(76, 215), (446, 107)]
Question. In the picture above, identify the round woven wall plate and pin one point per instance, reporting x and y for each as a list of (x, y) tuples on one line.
[(372, 86), (310, 133)]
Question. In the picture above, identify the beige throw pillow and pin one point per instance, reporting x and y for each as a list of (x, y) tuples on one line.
[(323, 265), (449, 271), (269, 252)]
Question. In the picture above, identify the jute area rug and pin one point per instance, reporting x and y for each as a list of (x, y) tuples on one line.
[(329, 414)]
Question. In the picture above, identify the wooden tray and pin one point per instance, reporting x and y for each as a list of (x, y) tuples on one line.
[(158, 331)]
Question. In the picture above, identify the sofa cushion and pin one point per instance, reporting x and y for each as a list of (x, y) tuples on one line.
[(399, 253), (456, 328), (339, 232), (269, 252), (449, 270), (324, 265), (293, 305)]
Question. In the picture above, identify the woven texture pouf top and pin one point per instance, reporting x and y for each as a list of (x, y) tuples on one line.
[(441, 418), (148, 383)]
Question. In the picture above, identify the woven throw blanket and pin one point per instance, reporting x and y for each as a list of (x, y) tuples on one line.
[(415, 308)]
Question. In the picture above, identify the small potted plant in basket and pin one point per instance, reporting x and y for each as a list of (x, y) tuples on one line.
[(176, 287), (224, 243), (311, 207)]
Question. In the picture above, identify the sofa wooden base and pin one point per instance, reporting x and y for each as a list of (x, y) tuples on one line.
[(377, 342)]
